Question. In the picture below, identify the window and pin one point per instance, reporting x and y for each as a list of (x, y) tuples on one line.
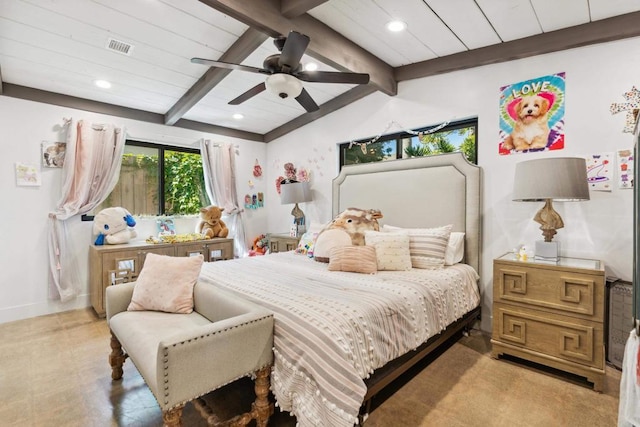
[(456, 136), (159, 180)]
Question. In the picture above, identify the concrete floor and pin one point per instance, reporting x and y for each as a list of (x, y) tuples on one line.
[(54, 372)]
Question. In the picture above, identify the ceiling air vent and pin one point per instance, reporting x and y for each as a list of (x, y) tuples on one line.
[(119, 46)]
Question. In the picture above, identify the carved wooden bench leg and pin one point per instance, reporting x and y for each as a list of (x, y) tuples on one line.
[(173, 417), (116, 358), (261, 408)]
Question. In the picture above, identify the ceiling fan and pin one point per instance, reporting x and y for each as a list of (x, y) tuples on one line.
[(285, 73)]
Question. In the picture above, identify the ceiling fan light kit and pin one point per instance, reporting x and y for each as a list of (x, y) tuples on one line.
[(284, 73), (284, 85)]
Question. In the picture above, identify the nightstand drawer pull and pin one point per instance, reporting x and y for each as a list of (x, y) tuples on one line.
[(579, 293), (515, 282)]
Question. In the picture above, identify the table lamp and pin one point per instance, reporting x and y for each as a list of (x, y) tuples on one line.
[(545, 180), (296, 192)]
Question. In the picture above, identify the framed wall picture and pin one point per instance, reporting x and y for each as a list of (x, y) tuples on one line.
[(532, 115), (27, 175), (53, 154)]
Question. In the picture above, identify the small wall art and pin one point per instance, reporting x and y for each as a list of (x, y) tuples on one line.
[(27, 175), (53, 154), (600, 171), (625, 169), (532, 115)]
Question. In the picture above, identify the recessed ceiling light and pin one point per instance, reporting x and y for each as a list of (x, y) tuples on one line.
[(311, 66), (396, 26), (102, 84), (238, 116)]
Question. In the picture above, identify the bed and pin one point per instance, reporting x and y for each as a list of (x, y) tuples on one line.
[(341, 337)]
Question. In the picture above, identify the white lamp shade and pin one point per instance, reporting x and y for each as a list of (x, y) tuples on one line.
[(295, 192), (284, 85), (559, 178)]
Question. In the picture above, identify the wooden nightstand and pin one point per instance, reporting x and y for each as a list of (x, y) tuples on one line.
[(282, 242), (551, 313)]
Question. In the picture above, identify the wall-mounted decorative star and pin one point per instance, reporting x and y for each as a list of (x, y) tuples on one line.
[(632, 107)]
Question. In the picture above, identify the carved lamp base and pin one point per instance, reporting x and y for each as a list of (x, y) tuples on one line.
[(549, 220)]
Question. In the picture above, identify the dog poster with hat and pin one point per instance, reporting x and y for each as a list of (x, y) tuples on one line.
[(532, 115)]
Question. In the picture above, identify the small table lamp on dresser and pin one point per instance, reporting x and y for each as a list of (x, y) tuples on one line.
[(296, 192), (544, 180)]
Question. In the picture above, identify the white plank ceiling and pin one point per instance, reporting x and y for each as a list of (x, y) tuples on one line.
[(58, 48)]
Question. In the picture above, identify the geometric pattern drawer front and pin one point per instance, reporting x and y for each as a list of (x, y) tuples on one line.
[(566, 292), (539, 333)]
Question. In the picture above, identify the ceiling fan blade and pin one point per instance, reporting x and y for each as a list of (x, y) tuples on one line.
[(248, 94), (306, 101), (229, 65), (293, 50), (333, 77)]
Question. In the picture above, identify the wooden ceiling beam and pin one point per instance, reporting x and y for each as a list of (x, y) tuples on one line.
[(37, 95), (605, 30), (326, 45), (248, 42), (293, 8)]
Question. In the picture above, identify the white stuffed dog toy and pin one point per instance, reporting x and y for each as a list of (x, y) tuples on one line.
[(114, 226)]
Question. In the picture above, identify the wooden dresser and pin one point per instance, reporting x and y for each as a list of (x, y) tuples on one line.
[(551, 313), (282, 242), (115, 264)]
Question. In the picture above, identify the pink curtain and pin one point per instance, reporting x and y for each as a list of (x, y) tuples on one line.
[(218, 161), (91, 170)]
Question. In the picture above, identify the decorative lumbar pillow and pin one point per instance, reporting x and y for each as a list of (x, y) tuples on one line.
[(428, 245), (392, 250), (329, 239), (166, 284), (356, 259)]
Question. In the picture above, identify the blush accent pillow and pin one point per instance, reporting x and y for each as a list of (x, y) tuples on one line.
[(356, 259), (392, 250), (428, 245), (166, 284)]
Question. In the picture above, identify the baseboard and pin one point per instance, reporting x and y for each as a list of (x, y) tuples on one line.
[(11, 314)]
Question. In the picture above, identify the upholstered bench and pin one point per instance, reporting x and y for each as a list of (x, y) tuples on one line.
[(184, 356)]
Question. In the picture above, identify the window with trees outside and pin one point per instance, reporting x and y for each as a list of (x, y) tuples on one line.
[(159, 180), (455, 136)]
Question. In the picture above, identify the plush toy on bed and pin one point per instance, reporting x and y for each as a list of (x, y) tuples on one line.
[(114, 226), (210, 224), (260, 245), (346, 229)]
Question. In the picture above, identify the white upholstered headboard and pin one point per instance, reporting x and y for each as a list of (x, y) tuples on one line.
[(419, 192)]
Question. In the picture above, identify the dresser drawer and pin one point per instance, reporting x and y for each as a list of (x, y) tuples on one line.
[(575, 340), (563, 291)]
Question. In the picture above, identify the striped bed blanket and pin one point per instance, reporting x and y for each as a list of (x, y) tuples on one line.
[(333, 329)]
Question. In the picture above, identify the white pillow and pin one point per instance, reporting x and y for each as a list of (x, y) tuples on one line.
[(428, 245), (392, 249), (455, 248)]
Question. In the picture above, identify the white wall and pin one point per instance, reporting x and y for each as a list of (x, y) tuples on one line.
[(596, 76), (24, 252)]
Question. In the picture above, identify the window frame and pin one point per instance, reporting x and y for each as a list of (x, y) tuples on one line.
[(161, 168), (399, 136)]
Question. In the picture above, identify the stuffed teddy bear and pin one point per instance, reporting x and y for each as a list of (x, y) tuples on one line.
[(210, 224), (347, 228), (114, 226)]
